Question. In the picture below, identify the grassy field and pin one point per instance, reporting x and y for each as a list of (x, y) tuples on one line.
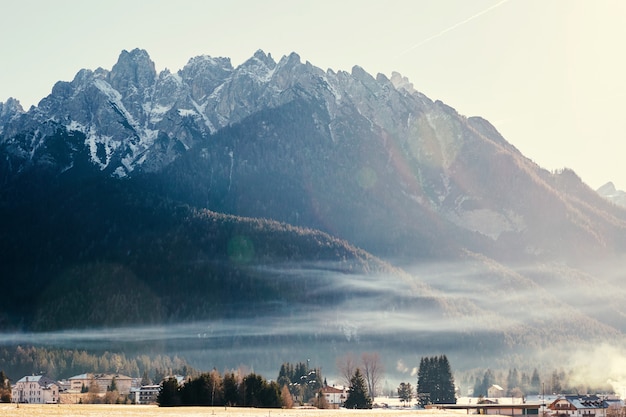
[(75, 410)]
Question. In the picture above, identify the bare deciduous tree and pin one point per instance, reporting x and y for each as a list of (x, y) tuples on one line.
[(373, 371), (346, 365)]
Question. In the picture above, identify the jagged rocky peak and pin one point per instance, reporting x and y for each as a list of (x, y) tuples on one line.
[(133, 69), (402, 83), (203, 74), (363, 76), (11, 107), (267, 59), (9, 110), (291, 59), (290, 71), (260, 66)]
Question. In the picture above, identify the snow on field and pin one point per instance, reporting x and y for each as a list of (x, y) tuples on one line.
[(75, 410)]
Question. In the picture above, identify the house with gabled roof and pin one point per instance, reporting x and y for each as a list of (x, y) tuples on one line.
[(36, 389), (495, 391), (334, 396), (579, 406), (80, 382)]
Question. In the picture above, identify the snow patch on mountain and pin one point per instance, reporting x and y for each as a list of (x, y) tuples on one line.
[(187, 112), (156, 112), (75, 126)]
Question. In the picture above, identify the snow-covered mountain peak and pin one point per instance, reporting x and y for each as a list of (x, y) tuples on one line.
[(131, 117), (8, 110), (203, 74), (10, 107), (259, 67), (122, 111), (130, 120), (133, 69), (205, 63), (266, 59)]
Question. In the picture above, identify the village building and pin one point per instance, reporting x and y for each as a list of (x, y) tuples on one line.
[(495, 391), (146, 394), (36, 389), (334, 396), (104, 382), (509, 406), (579, 406)]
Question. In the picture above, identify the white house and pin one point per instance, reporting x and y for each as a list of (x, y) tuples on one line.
[(579, 406), (495, 391), (37, 389), (147, 394), (334, 396)]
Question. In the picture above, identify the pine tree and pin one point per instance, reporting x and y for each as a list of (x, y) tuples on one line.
[(358, 396), (284, 376), (424, 383), (445, 379), (512, 380), (535, 382), (481, 387), (405, 392), (145, 380), (435, 383), (231, 389), (169, 394)]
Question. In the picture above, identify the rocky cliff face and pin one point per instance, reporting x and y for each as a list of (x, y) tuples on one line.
[(331, 150)]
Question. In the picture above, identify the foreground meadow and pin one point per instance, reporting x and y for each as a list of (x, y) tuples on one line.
[(76, 410)]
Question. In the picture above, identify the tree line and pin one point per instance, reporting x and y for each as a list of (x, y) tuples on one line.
[(295, 384), (299, 383), (65, 363), (213, 389), (518, 383)]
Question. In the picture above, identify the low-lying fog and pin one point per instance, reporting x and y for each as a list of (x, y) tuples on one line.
[(480, 314)]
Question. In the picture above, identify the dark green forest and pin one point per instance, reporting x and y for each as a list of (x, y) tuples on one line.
[(148, 259)]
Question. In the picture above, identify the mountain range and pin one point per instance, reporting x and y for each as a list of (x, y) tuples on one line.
[(272, 210)]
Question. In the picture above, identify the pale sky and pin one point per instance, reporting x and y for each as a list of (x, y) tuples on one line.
[(549, 74)]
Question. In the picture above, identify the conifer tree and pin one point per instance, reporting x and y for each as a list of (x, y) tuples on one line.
[(358, 397), (5, 388), (405, 392), (535, 383), (512, 381), (231, 389), (145, 380), (169, 394), (435, 383)]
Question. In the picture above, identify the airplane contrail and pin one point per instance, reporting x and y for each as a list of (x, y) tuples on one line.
[(456, 25)]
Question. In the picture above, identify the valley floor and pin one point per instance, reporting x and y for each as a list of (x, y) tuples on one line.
[(75, 410)]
